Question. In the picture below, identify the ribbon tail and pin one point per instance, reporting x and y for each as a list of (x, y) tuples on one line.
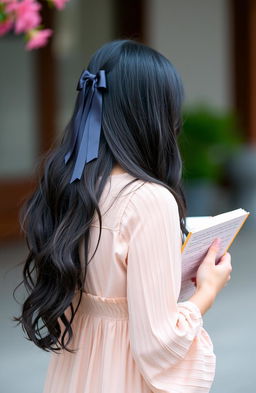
[(77, 120), (94, 127), (76, 116), (80, 161), (81, 155)]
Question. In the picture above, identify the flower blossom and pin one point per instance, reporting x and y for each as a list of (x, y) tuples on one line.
[(27, 15), (38, 38), (60, 4), (24, 16)]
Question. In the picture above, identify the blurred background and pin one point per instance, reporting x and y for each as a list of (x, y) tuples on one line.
[(212, 43)]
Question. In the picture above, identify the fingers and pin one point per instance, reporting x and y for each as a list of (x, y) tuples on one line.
[(229, 277), (225, 263), (226, 260)]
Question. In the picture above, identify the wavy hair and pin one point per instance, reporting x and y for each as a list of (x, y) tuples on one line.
[(140, 123)]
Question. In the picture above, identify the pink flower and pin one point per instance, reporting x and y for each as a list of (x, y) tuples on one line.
[(5, 26), (60, 4), (26, 14), (38, 38)]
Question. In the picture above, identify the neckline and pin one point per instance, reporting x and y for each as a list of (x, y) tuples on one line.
[(119, 174)]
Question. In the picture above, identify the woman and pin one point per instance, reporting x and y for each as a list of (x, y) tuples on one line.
[(104, 230)]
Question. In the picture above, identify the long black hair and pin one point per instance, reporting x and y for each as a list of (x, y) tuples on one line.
[(140, 123)]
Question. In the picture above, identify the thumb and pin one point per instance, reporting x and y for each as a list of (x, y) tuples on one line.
[(212, 251)]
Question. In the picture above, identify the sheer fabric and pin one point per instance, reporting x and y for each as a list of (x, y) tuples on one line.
[(131, 332)]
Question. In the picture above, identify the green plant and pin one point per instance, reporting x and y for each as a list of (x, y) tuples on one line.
[(207, 140)]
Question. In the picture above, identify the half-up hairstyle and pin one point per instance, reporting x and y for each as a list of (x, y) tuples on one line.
[(141, 120)]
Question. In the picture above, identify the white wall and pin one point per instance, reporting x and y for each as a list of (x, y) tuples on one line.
[(195, 36)]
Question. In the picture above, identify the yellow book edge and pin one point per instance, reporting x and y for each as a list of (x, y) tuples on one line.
[(238, 230)]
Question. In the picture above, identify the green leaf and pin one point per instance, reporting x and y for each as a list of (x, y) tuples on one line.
[(207, 140)]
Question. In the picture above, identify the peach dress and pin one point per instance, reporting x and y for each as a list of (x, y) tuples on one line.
[(131, 333)]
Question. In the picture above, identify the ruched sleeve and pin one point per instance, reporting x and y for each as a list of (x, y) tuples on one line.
[(172, 350)]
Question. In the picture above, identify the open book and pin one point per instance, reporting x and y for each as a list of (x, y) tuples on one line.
[(202, 232)]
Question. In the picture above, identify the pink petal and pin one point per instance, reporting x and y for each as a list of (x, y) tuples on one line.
[(26, 14), (39, 39), (27, 22), (60, 4)]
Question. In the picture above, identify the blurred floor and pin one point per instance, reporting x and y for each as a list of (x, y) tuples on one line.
[(230, 322)]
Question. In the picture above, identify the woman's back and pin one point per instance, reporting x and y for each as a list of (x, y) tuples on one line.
[(106, 273), (130, 334)]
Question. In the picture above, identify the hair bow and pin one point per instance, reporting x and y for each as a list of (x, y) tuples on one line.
[(87, 121)]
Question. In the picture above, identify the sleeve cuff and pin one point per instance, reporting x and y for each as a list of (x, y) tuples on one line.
[(195, 312)]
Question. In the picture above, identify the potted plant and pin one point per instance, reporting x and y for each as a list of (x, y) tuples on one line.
[(208, 140)]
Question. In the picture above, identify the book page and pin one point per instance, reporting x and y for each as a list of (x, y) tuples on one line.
[(187, 290), (228, 216), (199, 242), (194, 223)]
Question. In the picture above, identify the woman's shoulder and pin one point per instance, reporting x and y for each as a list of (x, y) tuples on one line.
[(132, 199), (150, 204), (148, 198), (151, 193)]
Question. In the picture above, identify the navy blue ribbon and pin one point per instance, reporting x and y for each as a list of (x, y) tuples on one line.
[(87, 121)]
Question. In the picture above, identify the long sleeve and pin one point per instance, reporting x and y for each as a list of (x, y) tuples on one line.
[(172, 350)]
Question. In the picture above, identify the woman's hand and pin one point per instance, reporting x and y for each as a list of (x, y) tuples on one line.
[(211, 277)]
